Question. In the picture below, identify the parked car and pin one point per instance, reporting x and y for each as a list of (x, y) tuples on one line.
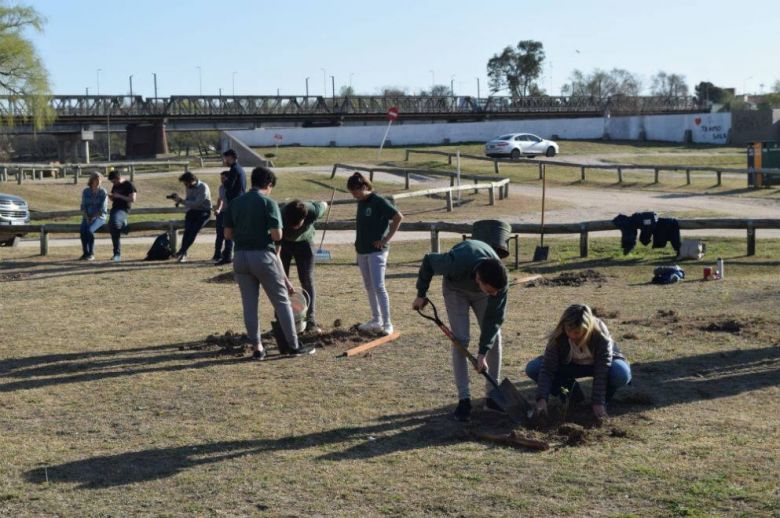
[(515, 145), (13, 211)]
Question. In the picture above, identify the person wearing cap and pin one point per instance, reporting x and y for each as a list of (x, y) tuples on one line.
[(198, 205), (123, 195), (474, 279), (235, 186), (254, 224), (297, 243), (94, 209)]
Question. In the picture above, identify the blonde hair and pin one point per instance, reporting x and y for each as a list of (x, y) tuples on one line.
[(576, 316), (94, 176)]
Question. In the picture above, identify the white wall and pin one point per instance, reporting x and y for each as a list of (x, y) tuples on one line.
[(706, 128)]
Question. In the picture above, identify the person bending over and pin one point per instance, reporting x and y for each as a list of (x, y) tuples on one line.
[(198, 205)]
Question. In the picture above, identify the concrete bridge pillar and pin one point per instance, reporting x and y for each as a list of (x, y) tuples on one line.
[(146, 141)]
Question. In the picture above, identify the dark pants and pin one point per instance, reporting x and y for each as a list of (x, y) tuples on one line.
[(194, 220), (619, 375), (117, 224), (220, 253), (302, 252), (87, 232)]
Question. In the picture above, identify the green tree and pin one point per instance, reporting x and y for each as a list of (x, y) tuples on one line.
[(516, 69), (706, 91), (22, 75)]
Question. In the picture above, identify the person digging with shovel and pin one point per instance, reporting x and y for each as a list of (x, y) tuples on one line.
[(475, 279)]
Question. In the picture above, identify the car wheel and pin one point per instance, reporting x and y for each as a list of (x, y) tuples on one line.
[(550, 151), (515, 154), (8, 242)]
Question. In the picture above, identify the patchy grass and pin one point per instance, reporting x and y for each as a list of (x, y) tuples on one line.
[(106, 408)]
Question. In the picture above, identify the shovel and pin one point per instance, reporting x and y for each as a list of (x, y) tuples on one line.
[(505, 394), (541, 252), (324, 255)]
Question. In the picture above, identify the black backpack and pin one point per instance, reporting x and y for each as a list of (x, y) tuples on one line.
[(160, 250)]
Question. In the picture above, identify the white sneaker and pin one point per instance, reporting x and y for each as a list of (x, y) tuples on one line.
[(182, 258), (117, 258), (372, 326), (387, 329)]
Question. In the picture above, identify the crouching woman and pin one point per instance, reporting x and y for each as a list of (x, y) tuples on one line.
[(580, 346)]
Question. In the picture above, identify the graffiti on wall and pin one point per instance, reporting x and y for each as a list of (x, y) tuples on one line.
[(709, 130)]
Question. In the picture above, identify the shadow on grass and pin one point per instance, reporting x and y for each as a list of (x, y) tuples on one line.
[(390, 434), (78, 268)]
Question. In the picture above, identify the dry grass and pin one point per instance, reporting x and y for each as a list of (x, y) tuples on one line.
[(103, 414)]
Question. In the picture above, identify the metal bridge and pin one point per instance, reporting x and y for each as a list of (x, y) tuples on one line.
[(183, 111)]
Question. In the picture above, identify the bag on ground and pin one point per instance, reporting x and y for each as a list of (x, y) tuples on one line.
[(160, 250), (667, 274), (692, 249)]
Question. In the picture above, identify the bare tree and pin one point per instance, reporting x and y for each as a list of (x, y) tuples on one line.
[(600, 83), (516, 69), (669, 85)]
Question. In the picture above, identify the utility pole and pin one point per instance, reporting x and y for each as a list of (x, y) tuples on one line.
[(131, 85), (87, 91), (155, 84), (307, 87), (452, 86), (333, 86), (477, 87), (234, 83)]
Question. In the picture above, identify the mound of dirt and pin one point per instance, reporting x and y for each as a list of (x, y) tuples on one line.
[(16, 276), (724, 326), (230, 343), (337, 336), (603, 313), (223, 278), (574, 279)]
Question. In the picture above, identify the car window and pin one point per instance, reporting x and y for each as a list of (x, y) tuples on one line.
[(534, 138), (520, 137), (505, 137)]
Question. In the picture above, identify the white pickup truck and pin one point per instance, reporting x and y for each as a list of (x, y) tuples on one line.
[(13, 211)]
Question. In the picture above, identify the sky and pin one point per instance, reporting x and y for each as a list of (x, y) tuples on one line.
[(263, 47)]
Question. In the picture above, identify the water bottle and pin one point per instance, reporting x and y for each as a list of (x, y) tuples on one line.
[(720, 267)]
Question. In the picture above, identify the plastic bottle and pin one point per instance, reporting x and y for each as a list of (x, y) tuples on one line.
[(720, 267)]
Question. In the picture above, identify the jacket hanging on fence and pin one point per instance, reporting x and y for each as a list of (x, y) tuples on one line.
[(651, 228), (643, 221)]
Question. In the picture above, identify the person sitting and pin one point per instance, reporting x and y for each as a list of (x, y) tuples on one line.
[(123, 195), (198, 205), (579, 346), (94, 208)]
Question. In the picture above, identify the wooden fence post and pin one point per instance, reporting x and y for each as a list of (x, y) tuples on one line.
[(406, 159), (541, 170), (44, 241), (655, 176), (582, 173), (173, 236), (4, 174), (751, 239), (620, 174), (687, 177), (76, 173), (583, 241), (495, 166), (371, 175), (406, 180), (517, 251), (476, 191), (132, 171), (492, 194), (449, 159), (719, 179), (435, 245), (452, 181), (333, 173), (449, 201), (19, 176)]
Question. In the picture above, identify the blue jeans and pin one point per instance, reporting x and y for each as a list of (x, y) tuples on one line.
[(117, 224), (87, 231), (194, 220), (219, 252), (619, 375)]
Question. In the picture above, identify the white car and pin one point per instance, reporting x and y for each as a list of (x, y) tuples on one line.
[(515, 145), (13, 211)]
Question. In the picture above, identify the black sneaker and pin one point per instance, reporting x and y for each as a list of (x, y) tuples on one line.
[(222, 262), (312, 328), (492, 406), (463, 411), (216, 258), (259, 355), (303, 350)]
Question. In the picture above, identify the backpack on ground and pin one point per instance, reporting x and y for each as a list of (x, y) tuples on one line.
[(160, 250), (667, 274), (692, 249)]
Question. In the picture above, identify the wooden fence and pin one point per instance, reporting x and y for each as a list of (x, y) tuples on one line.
[(436, 228), (496, 188), (618, 168), (23, 171)]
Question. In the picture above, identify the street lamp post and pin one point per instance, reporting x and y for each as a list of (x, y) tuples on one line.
[(477, 87), (333, 87), (234, 83), (155, 84), (131, 85), (98, 80), (452, 85), (307, 87), (87, 91)]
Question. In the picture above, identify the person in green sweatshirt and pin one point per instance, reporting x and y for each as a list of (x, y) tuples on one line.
[(474, 279)]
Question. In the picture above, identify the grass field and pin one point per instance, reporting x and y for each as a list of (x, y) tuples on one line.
[(109, 406)]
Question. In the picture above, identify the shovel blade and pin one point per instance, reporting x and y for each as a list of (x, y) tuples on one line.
[(511, 401), (541, 253)]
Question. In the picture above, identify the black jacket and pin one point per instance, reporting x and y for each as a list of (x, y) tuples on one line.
[(236, 182)]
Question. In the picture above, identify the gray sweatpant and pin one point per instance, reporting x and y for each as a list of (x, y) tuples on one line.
[(372, 269), (458, 303), (255, 268)]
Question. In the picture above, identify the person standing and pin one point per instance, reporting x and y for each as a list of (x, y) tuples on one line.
[(198, 205), (474, 279), (254, 224), (219, 211), (377, 222), (298, 219), (94, 208), (123, 195), (235, 186)]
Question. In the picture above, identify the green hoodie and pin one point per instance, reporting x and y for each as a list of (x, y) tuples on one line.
[(458, 267)]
